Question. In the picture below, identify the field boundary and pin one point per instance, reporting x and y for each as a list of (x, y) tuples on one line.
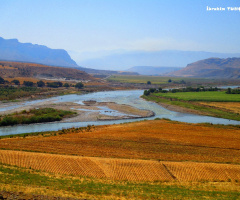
[(122, 169)]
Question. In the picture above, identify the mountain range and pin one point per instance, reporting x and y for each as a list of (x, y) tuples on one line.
[(155, 71), (228, 68), (203, 64), (13, 50), (167, 58)]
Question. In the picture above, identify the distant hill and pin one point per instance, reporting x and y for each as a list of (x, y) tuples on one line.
[(13, 50), (148, 70), (97, 72), (19, 69), (212, 68), (126, 60)]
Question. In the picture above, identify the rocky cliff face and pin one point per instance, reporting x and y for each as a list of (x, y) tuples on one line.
[(13, 50)]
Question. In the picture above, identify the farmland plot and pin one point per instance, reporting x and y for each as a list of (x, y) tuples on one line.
[(121, 169)]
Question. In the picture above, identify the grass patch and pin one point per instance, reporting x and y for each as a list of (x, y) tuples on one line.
[(34, 116), (103, 188), (216, 96), (214, 112), (12, 93), (164, 81)]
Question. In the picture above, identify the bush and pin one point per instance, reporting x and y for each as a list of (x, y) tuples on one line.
[(66, 85), (54, 84), (28, 83), (16, 82), (2, 81), (40, 84), (79, 85)]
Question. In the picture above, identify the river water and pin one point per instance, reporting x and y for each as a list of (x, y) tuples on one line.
[(131, 97)]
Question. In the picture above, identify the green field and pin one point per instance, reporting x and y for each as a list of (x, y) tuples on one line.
[(190, 100), (156, 79), (215, 96), (17, 179)]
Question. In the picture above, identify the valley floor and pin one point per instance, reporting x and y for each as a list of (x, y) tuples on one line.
[(156, 159)]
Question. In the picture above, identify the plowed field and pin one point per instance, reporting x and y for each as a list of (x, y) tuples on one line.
[(122, 169), (159, 140)]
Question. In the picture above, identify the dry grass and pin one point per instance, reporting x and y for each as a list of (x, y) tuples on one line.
[(19, 69), (158, 139), (22, 79), (122, 169), (229, 106)]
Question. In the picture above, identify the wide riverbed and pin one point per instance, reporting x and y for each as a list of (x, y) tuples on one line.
[(131, 97)]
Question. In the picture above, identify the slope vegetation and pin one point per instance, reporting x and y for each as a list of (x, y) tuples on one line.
[(18, 69), (212, 68)]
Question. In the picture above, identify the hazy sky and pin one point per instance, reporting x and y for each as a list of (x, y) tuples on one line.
[(83, 27)]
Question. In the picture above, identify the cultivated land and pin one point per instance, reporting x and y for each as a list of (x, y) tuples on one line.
[(157, 159), (175, 81), (141, 160), (209, 96), (160, 140), (212, 103)]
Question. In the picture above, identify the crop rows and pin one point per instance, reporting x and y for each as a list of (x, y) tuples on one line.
[(190, 171), (121, 169)]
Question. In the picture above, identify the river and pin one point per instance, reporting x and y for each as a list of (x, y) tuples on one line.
[(130, 97)]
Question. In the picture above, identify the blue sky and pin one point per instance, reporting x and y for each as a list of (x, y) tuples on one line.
[(94, 27)]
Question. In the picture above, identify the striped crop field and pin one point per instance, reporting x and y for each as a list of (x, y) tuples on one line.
[(122, 169), (157, 139)]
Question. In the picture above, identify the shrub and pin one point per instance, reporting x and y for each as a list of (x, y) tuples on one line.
[(40, 84), (79, 85), (28, 83)]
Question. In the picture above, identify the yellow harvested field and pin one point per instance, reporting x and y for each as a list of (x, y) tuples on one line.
[(158, 139), (121, 169), (228, 106)]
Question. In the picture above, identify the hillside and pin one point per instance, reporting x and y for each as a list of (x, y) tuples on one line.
[(18, 69), (13, 50), (126, 60), (99, 72), (228, 68), (149, 70)]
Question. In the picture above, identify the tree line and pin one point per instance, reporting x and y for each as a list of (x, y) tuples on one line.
[(56, 84), (233, 91), (187, 89)]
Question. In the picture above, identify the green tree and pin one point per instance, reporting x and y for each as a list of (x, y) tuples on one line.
[(149, 83), (66, 85), (169, 80), (146, 92), (2, 81), (40, 84), (54, 84), (229, 91), (79, 85), (28, 83), (16, 82)]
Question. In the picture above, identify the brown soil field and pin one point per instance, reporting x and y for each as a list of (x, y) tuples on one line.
[(229, 106), (121, 169), (159, 140)]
